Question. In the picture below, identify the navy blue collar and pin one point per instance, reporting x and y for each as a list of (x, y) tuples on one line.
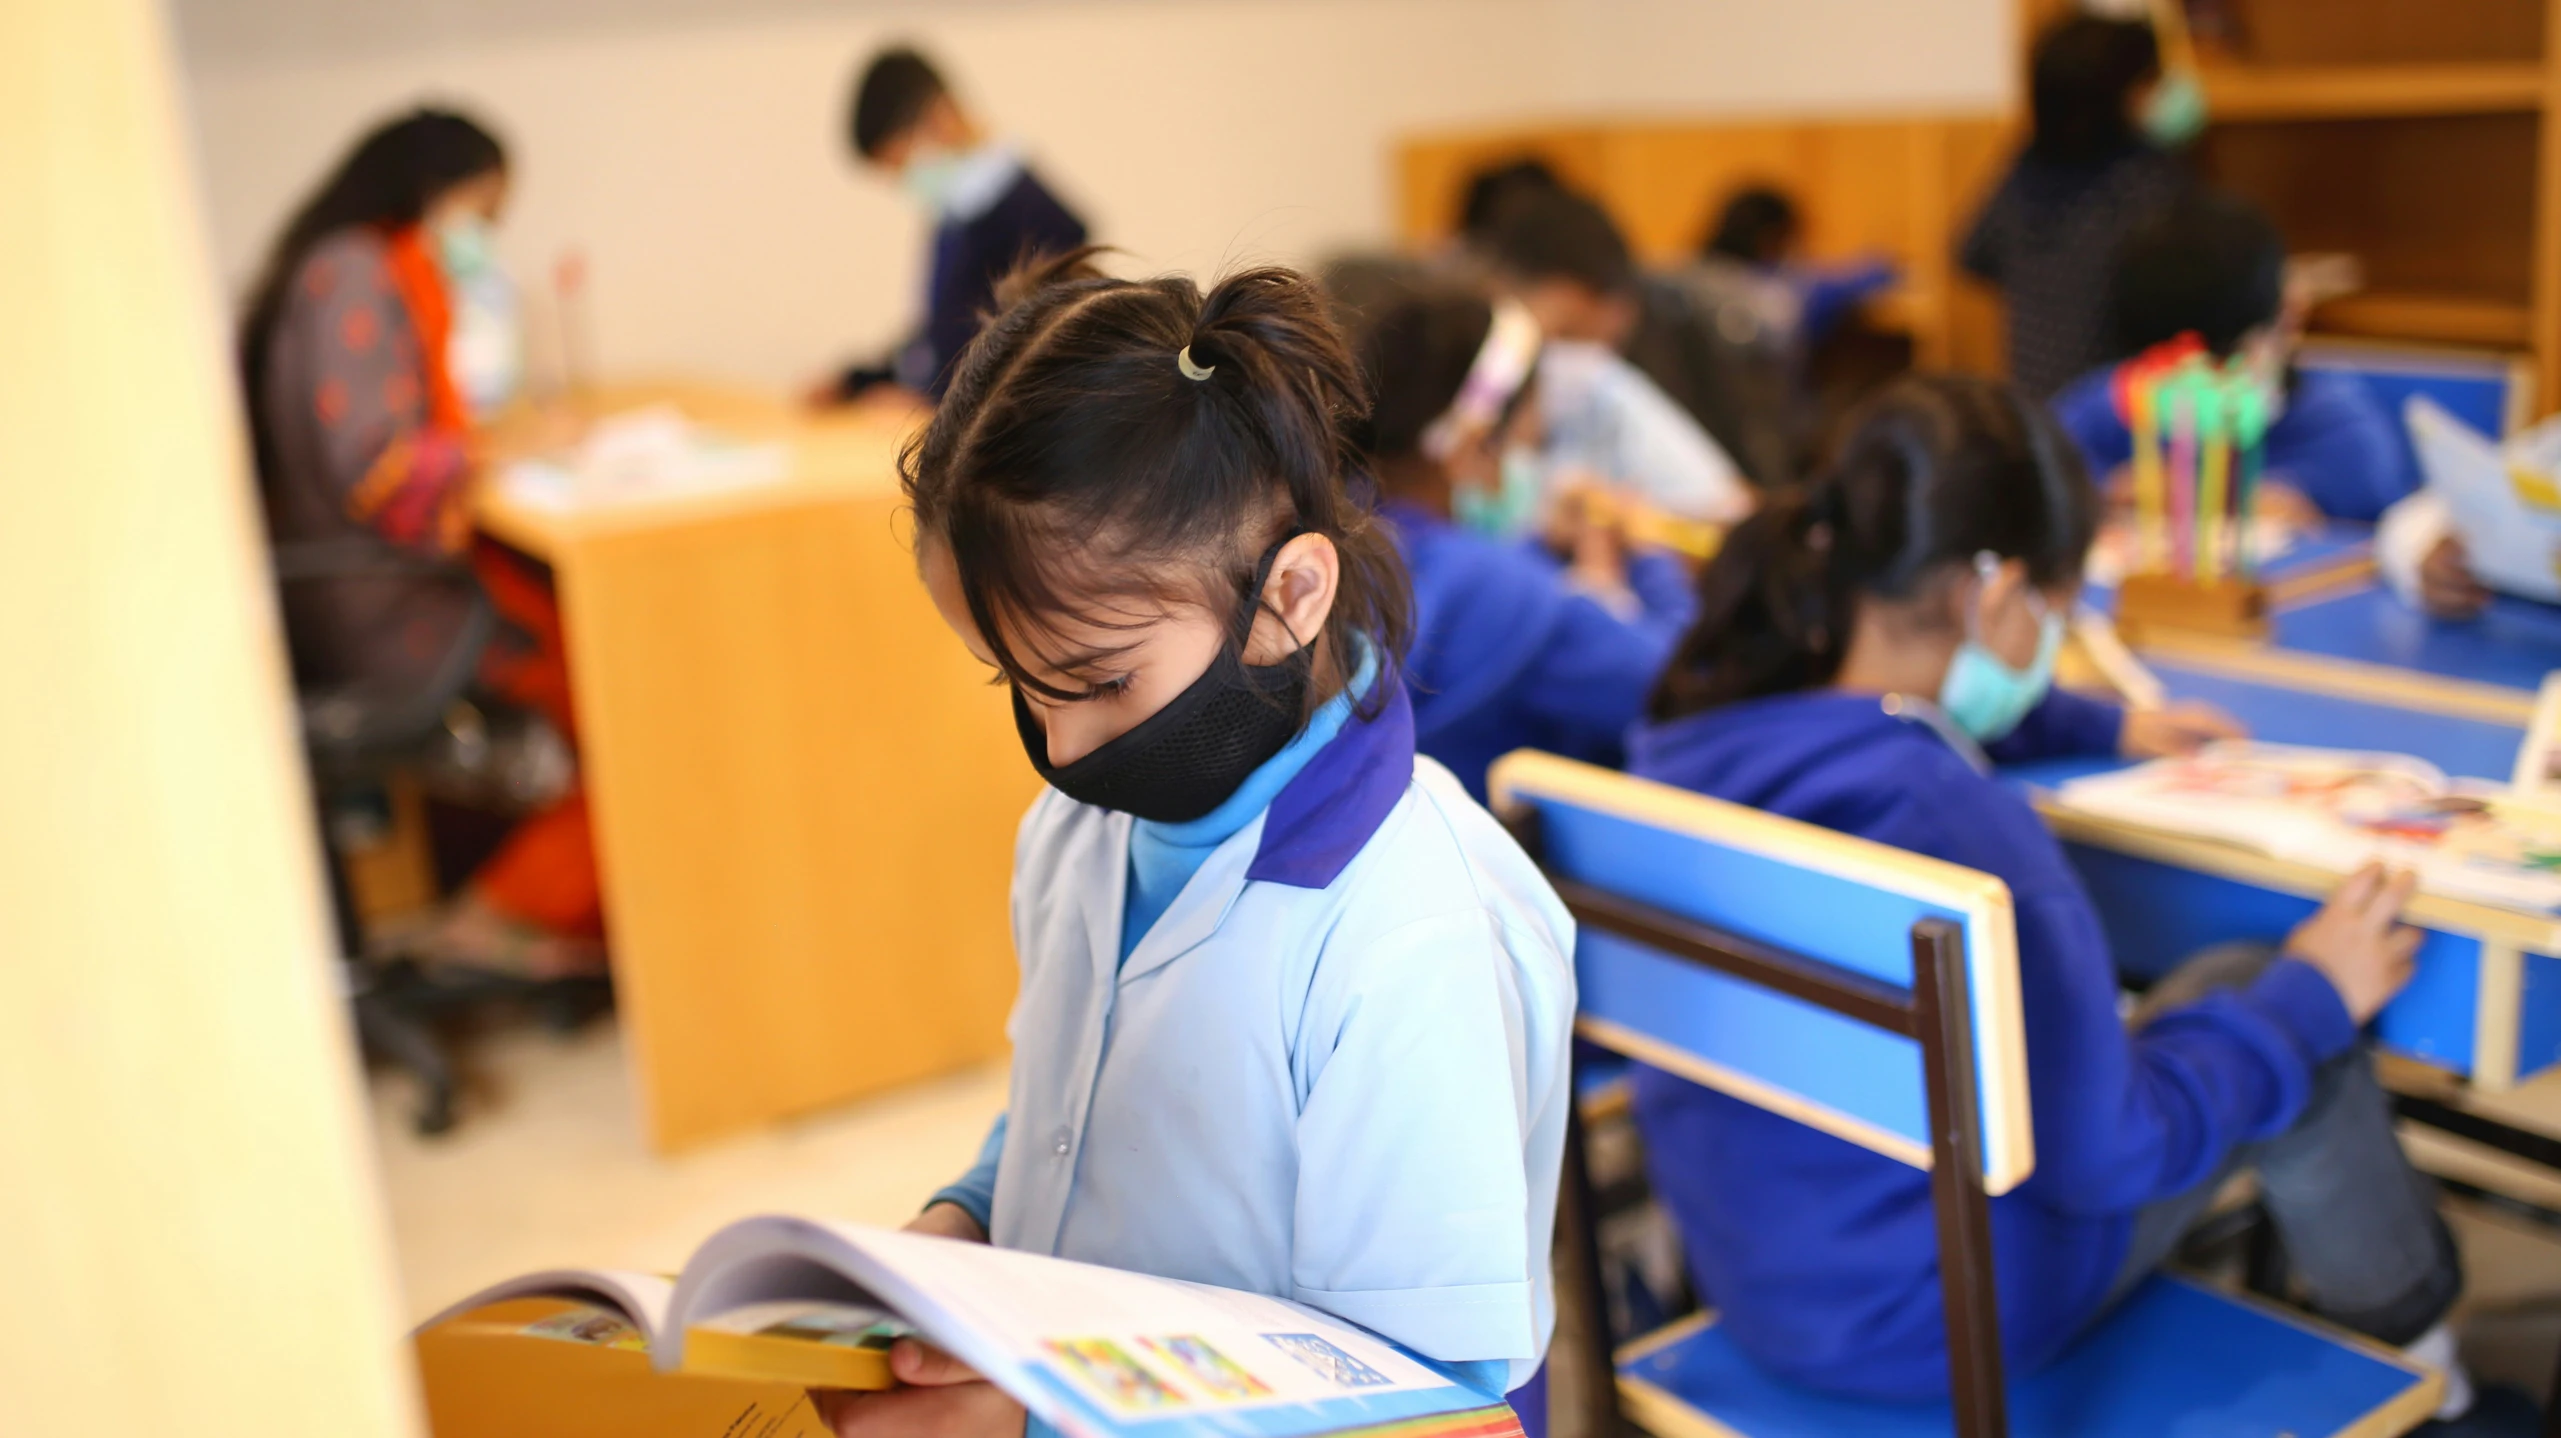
[(1326, 815)]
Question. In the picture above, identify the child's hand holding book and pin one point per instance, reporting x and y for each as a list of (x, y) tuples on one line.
[(937, 1396)]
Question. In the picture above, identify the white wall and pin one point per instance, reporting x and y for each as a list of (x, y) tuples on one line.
[(694, 149)]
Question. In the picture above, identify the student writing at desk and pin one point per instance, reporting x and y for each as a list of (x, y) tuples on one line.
[(991, 212), (364, 342), (1859, 648), (1517, 644), (1294, 1010), (1560, 255), (2212, 266)]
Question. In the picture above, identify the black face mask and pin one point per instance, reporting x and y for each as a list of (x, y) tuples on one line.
[(1185, 759)]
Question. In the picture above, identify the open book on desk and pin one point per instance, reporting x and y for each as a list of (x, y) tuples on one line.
[(2336, 810), (1095, 1352)]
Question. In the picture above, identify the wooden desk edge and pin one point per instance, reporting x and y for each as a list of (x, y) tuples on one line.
[(2343, 678), (2536, 934)]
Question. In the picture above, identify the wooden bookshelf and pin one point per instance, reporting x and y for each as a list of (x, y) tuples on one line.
[(2422, 136), (2257, 92), (2441, 319)]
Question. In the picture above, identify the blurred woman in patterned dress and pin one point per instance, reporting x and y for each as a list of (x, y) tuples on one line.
[(376, 330)]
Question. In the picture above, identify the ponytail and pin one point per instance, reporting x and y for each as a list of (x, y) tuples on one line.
[(1934, 470)]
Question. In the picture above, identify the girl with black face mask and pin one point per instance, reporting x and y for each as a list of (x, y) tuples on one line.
[(1294, 1010)]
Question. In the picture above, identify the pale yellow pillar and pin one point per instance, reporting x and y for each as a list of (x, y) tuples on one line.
[(190, 1238)]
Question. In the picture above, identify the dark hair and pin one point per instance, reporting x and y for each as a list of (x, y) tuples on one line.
[(1755, 226), (1414, 358), (891, 96), (1934, 469), (1072, 460), (391, 177), (1493, 188), (2211, 263), (1557, 234), (2079, 76)]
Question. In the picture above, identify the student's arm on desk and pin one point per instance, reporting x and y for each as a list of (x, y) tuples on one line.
[(2125, 1118), (2421, 558), (2065, 725)]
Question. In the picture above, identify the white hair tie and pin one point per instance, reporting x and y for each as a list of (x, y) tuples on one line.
[(1183, 358)]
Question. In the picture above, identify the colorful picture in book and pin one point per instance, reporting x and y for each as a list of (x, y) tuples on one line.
[(1108, 1369), (589, 1325), (1206, 1366), (1329, 1362), (2336, 810)]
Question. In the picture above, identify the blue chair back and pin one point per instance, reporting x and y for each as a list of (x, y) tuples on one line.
[(1844, 902)]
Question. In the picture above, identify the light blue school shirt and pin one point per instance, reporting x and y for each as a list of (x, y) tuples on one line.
[(1333, 1070), (1162, 859)]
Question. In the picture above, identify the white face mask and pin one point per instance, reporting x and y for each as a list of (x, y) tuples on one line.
[(484, 352), (929, 175)]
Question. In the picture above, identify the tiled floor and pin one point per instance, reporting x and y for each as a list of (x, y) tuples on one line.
[(547, 1168)]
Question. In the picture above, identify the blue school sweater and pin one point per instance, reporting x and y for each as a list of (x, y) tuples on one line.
[(970, 255), (2335, 441), (1508, 655), (1823, 1255)]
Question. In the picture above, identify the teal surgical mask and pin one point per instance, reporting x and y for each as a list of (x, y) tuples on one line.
[(1982, 694), (2174, 113), (928, 177), (1508, 508), (465, 247)]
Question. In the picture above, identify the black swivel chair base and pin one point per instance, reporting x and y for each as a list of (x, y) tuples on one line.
[(402, 1010)]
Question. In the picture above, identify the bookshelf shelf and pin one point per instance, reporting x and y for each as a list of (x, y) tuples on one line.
[(2243, 92), (2444, 319)]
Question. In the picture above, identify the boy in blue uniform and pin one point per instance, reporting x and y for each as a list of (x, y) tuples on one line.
[(1513, 646), (2213, 266), (990, 211), (1294, 1010), (1863, 650)]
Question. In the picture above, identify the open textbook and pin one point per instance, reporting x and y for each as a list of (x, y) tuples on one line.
[(2504, 500), (1095, 1352), (2335, 810)]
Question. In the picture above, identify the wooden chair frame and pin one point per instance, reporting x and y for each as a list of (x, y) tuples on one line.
[(1935, 1013)]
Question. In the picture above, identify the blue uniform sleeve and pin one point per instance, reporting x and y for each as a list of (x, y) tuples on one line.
[(1830, 294), (1590, 680), (1663, 586), (1028, 221), (2087, 411), (2063, 725), (1416, 1214), (2337, 444), (975, 1191), (2123, 1119)]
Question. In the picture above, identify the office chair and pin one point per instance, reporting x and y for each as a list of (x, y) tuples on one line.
[(354, 735)]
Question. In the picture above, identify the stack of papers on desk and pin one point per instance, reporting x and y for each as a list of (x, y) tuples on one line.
[(646, 454), (2336, 810)]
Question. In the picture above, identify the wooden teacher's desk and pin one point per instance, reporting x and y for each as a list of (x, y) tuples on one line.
[(804, 790)]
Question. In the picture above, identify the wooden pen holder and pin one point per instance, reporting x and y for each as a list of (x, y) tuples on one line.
[(2151, 602)]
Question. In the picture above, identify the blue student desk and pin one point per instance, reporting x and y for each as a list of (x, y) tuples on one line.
[(2486, 1003), (2513, 645), (2334, 623)]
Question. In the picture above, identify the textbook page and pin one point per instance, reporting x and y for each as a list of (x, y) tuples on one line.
[(1097, 1351), (642, 1298), (2336, 810), (2506, 503)]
